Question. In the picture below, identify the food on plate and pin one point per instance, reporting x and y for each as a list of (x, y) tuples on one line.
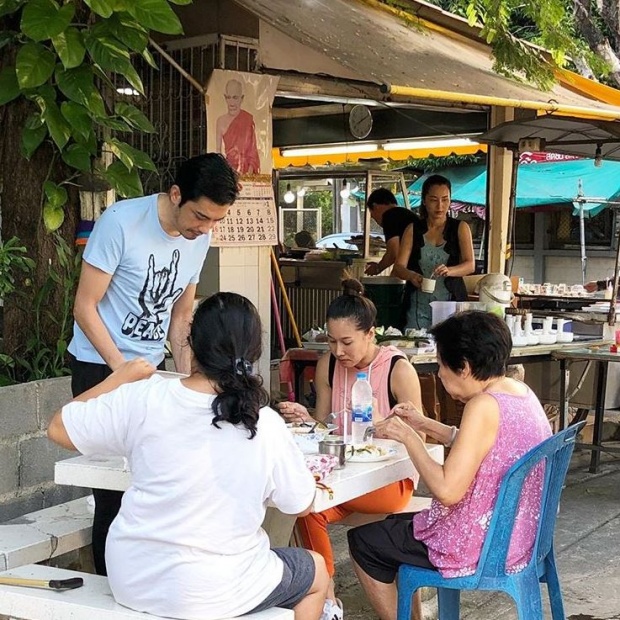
[(369, 450)]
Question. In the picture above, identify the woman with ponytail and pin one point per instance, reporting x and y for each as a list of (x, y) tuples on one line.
[(206, 456)]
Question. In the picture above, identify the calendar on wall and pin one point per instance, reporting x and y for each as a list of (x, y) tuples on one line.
[(251, 220)]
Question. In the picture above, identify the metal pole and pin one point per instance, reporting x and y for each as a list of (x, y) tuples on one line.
[(582, 232)]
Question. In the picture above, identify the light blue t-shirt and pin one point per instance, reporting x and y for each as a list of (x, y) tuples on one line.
[(149, 269)]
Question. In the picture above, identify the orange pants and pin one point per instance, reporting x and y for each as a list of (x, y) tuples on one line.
[(313, 528)]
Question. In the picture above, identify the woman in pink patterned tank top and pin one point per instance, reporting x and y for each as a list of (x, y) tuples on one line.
[(502, 420)]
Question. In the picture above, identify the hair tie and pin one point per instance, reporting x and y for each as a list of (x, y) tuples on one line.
[(242, 367)]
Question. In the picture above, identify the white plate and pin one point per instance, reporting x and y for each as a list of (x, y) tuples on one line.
[(304, 430), (365, 457)]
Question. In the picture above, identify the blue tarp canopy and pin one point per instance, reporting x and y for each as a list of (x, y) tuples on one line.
[(538, 185)]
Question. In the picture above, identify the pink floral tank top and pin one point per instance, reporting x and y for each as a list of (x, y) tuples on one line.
[(455, 534)]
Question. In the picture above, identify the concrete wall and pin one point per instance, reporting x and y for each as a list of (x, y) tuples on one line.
[(26, 456)]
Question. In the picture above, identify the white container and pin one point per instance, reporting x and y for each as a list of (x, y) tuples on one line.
[(428, 285), (441, 310), (361, 407)]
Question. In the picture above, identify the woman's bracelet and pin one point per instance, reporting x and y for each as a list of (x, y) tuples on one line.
[(449, 443)]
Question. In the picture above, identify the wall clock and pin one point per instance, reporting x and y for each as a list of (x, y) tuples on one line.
[(360, 121)]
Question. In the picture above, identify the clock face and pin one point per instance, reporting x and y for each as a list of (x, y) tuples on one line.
[(360, 121)]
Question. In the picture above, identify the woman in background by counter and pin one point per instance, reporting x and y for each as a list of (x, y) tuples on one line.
[(440, 248), (351, 337)]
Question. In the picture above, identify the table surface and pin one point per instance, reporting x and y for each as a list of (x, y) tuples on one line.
[(354, 480), (535, 350), (594, 352)]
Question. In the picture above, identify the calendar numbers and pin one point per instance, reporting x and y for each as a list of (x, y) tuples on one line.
[(251, 220)]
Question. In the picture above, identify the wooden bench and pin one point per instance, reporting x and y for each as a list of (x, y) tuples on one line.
[(93, 601), (47, 533)]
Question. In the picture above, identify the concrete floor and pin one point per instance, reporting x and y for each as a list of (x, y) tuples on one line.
[(587, 550)]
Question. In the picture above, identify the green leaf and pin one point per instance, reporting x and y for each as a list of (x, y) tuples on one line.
[(101, 7), (34, 65), (156, 15), (9, 88), (126, 182), (107, 52), (10, 6), (78, 117), (31, 140), (181, 2), (56, 125), (130, 156), (146, 54), (53, 217), (88, 142), (69, 47), (56, 194), (77, 84), (131, 75), (115, 123), (77, 156), (127, 31), (42, 19), (34, 121), (134, 117)]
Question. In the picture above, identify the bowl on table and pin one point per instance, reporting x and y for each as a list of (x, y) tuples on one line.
[(308, 441)]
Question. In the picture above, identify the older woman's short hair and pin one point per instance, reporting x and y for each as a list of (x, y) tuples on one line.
[(481, 339)]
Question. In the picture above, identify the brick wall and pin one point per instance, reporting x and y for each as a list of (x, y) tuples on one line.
[(26, 456)]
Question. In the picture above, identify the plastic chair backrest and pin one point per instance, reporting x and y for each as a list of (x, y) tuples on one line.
[(555, 453)]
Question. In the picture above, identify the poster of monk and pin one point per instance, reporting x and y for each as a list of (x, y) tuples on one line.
[(239, 119)]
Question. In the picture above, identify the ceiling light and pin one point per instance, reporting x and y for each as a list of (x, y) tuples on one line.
[(289, 197), (598, 156), (341, 149), (402, 145)]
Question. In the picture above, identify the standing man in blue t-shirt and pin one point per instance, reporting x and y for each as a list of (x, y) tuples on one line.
[(138, 283), (394, 220)]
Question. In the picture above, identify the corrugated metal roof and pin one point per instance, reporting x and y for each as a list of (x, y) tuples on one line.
[(383, 49)]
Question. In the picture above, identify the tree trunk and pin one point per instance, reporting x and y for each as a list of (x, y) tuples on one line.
[(605, 43), (21, 183)]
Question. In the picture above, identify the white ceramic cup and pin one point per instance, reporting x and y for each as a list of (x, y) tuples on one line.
[(428, 285)]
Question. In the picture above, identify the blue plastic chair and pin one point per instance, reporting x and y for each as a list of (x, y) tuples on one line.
[(523, 587)]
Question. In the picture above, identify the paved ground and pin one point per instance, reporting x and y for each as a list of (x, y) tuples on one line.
[(587, 548)]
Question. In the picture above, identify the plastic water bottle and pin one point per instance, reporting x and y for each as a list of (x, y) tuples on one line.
[(361, 405)]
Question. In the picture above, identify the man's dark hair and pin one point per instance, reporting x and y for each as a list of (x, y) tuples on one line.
[(208, 176), (381, 196), (480, 338)]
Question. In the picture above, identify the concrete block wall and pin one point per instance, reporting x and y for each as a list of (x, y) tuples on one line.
[(26, 456)]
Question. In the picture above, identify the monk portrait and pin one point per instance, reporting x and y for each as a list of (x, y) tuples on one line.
[(235, 132)]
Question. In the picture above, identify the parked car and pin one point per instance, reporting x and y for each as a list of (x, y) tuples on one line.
[(339, 240)]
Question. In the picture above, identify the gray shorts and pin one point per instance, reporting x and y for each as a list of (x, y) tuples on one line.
[(297, 577)]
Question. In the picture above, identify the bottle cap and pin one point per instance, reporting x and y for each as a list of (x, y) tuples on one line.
[(362, 376)]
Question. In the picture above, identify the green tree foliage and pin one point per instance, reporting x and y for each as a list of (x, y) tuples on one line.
[(529, 38), (63, 53)]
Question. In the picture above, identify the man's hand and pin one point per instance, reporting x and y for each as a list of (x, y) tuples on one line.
[(134, 370), (372, 269)]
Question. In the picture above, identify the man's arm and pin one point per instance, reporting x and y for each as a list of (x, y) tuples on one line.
[(180, 321), (92, 287), (387, 260)]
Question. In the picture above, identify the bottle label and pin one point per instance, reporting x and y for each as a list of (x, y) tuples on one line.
[(362, 414)]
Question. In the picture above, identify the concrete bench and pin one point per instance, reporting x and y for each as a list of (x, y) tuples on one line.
[(93, 601), (47, 533)]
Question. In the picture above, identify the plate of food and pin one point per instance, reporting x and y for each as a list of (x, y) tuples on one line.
[(369, 453), (304, 429)]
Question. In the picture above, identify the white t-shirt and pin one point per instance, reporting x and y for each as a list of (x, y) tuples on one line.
[(187, 542), (150, 270)]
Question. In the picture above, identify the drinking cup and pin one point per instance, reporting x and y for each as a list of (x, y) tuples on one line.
[(336, 447), (428, 285)]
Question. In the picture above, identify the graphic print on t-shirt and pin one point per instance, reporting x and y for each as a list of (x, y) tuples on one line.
[(156, 297)]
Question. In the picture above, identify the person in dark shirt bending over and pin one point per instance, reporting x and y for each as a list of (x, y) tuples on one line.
[(394, 220)]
